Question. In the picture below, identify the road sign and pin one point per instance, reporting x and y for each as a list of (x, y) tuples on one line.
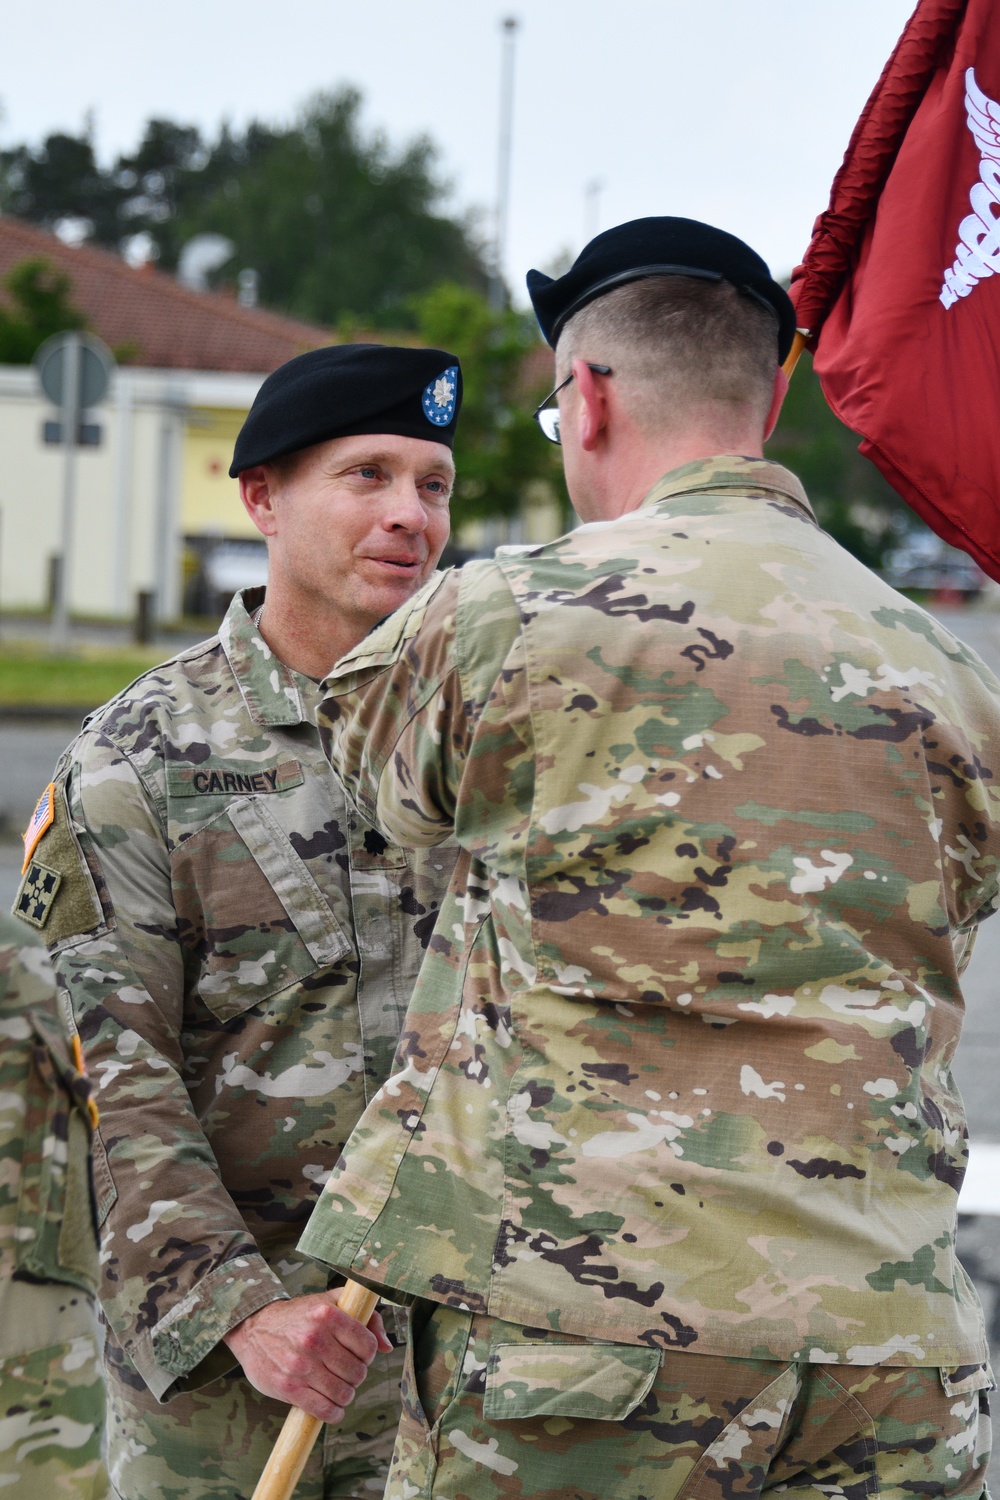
[(88, 434), (95, 364), (74, 370)]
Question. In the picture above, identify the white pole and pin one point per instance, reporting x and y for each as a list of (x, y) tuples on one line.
[(497, 292), (70, 418), (592, 209), (166, 564), (122, 540)]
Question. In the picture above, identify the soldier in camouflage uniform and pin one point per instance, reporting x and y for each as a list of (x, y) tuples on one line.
[(51, 1383), (672, 1147), (238, 949)]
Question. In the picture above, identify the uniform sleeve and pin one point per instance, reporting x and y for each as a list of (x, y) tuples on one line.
[(179, 1267), (405, 705), (47, 1231), (53, 1388)]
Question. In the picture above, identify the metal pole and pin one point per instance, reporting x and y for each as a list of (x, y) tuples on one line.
[(145, 617), (70, 418), (122, 540), (498, 294), (166, 563), (592, 209)]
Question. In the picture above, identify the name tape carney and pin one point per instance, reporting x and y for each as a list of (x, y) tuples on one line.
[(235, 781)]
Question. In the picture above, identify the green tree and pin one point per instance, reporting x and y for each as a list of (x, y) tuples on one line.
[(335, 221), (335, 224), (36, 306), (155, 181), (499, 452), (851, 499), (58, 180)]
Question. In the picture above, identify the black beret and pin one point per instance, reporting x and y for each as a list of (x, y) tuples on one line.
[(347, 389), (658, 247)]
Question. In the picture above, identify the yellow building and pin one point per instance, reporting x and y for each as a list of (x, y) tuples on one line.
[(210, 503)]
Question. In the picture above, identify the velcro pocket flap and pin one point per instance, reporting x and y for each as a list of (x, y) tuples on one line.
[(597, 1382), (315, 921), (962, 1380)]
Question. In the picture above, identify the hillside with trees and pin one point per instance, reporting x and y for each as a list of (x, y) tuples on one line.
[(346, 230), (336, 223)]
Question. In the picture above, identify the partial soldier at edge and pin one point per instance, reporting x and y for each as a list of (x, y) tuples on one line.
[(51, 1380)]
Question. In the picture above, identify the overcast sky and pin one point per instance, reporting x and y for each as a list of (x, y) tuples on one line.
[(734, 111)]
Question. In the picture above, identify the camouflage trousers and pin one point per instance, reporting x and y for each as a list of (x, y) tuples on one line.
[(51, 1421), (494, 1410), (212, 1444)]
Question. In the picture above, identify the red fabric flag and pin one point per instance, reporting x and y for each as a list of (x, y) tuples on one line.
[(900, 285)]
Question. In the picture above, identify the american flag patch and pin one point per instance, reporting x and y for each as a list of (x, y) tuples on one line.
[(41, 818)]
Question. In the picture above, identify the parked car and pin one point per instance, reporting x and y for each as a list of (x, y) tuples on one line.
[(218, 566), (930, 565)]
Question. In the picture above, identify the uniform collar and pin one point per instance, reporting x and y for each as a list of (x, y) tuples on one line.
[(272, 692), (732, 472)]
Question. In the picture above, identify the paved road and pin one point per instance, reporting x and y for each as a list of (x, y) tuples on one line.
[(28, 752)]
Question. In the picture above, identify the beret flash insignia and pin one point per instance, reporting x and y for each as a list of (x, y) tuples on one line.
[(439, 397), (39, 888)]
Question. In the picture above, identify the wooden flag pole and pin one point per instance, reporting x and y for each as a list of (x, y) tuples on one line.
[(300, 1431), (802, 336)]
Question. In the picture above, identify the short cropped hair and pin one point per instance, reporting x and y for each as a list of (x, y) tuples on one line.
[(679, 342), (287, 465)]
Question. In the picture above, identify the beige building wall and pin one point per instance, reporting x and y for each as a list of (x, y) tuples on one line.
[(158, 475), (31, 487)]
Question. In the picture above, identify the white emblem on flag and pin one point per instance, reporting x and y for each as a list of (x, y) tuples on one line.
[(977, 254)]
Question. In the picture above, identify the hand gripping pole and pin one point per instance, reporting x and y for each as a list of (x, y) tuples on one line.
[(300, 1431)]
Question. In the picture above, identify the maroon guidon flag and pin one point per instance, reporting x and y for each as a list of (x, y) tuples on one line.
[(899, 291)]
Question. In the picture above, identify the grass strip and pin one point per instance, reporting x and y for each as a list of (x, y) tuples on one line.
[(32, 677)]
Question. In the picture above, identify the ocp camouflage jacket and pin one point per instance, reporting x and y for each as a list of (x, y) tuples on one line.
[(238, 950), (677, 1070), (52, 1406), (47, 1231)]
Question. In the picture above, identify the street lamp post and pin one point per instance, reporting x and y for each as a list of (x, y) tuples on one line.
[(498, 295), (591, 209), (73, 370), (70, 419)]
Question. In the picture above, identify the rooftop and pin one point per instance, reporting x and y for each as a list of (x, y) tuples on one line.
[(161, 322)]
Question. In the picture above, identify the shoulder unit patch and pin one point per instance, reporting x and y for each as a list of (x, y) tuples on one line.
[(57, 890), (37, 893)]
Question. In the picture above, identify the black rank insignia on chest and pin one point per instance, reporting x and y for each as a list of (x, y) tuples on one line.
[(37, 893)]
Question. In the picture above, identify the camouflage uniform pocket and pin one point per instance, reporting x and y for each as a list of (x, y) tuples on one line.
[(56, 1237), (598, 1382), (315, 920), (961, 1380), (250, 911)]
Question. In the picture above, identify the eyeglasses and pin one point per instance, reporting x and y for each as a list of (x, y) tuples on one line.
[(547, 416)]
